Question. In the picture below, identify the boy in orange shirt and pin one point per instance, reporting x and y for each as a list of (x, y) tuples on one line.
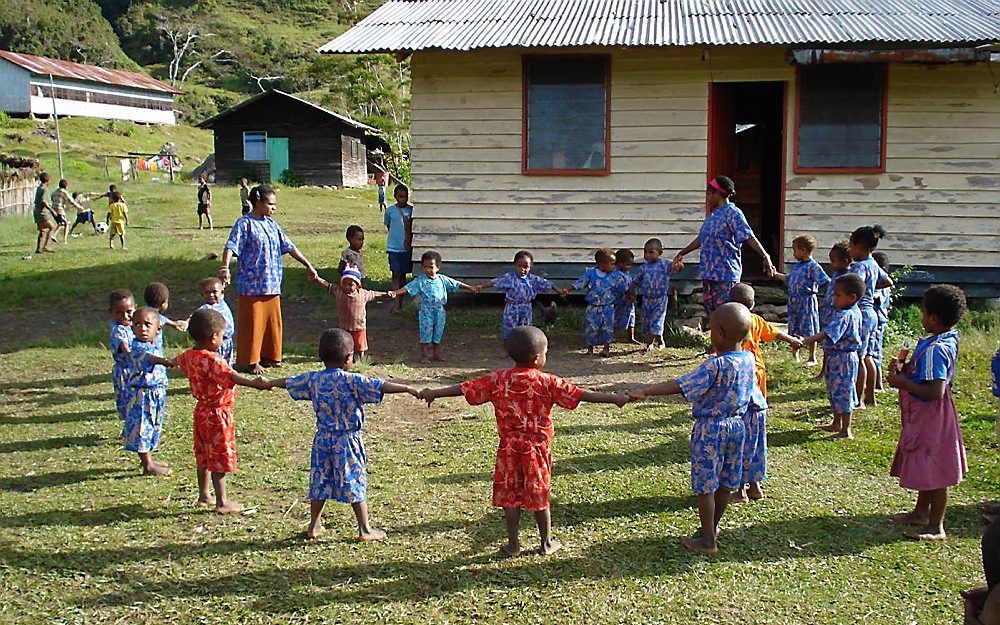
[(755, 443)]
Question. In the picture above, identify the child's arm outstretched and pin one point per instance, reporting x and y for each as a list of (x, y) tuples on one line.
[(598, 397), (181, 325), (166, 362), (815, 338), (258, 383), (670, 387), (396, 387), (468, 287), (793, 341)]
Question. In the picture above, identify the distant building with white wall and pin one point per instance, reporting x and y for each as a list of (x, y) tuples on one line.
[(27, 82)]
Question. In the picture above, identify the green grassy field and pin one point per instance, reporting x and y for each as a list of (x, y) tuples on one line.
[(85, 539)]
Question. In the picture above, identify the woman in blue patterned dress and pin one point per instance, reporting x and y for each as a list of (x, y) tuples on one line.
[(721, 239)]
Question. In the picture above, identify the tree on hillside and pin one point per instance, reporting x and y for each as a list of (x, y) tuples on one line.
[(186, 55)]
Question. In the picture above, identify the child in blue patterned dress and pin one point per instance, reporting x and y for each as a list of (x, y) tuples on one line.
[(338, 464), (521, 287), (432, 288), (625, 302), (121, 305), (603, 286), (863, 241), (804, 280), (883, 302), (654, 280), (840, 261), (841, 338), (147, 392), (157, 295), (721, 392), (212, 293)]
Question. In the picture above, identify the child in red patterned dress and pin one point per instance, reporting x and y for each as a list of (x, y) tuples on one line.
[(522, 400), (213, 384)]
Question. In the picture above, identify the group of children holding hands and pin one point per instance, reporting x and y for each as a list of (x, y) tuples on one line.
[(727, 391)]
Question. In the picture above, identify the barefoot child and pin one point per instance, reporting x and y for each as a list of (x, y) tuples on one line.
[(721, 391), (930, 454), (863, 241), (804, 280), (213, 383), (121, 305), (883, 302), (157, 296), (840, 262), (755, 443), (841, 338), (117, 218), (204, 202), (338, 464), (351, 302), (353, 256), (212, 293), (521, 287), (654, 281), (603, 286), (432, 288), (625, 301), (522, 399), (147, 392)]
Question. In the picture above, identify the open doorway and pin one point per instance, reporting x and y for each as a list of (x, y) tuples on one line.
[(746, 141)]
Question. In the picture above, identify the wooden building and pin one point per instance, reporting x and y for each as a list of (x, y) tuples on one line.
[(262, 137), (562, 126), (35, 85)]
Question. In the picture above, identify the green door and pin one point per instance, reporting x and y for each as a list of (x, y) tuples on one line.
[(277, 154)]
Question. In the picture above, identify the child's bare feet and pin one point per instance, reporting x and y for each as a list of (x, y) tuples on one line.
[(511, 550), (700, 545), (830, 427), (203, 501), (755, 492), (425, 359), (910, 518), (634, 341), (315, 531), (739, 496), (438, 357), (229, 507), (840, 435), (811, 362), (156, 469), (927, 534), (590, 350), (371, 534), (606, 351), (550, 547)]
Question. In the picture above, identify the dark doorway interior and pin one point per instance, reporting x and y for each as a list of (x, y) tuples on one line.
[(746, 143)]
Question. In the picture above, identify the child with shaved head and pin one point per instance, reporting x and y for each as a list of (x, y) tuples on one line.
[(721, 391), (522, 400), (338, 466)]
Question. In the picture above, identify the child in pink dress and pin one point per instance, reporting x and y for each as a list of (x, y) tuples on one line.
[(930, 454)]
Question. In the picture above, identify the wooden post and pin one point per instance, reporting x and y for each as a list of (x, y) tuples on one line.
[(170, 167)]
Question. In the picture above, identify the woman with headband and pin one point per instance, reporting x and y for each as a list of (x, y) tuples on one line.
[(722, 234)]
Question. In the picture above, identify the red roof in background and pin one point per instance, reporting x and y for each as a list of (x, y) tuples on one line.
[(91, 73)]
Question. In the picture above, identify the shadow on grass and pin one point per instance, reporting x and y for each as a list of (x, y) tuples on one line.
[(87, 518), (32, 483), (55, 382), (786, 438), (286, 590), (58, 442), (68, 417)]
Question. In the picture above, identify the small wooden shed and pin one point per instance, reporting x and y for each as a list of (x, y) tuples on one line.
[(562, 126), (263, 137)]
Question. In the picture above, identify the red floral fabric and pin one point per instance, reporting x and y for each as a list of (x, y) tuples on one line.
[(522, 401), (212, 385)]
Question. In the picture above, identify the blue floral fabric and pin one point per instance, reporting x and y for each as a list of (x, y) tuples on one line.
[(653, 281), (259, 244), (871, 274), (883, 301), (226, 349), (722, 234), (602, 289), (121, 339), (755, 445), (827, 309), (624, 309), (338, 465), (147, 399), (842, 349), (716, 454), (804, 280), (520, 293), (433, 296), (995, 368)]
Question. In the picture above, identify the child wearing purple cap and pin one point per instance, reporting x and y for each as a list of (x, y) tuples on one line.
[(351, 302)]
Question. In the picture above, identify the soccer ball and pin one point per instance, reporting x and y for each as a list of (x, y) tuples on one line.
[(102, 227)]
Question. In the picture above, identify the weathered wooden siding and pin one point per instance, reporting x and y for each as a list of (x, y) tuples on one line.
[(939, 199), (354, 159)]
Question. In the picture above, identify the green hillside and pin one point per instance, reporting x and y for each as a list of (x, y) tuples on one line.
[(238, 49)]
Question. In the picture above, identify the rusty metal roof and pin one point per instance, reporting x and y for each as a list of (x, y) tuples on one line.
[(411, 25), (89, 73)]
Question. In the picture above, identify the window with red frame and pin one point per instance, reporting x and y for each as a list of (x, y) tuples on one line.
[(841, 117), (566, 115)]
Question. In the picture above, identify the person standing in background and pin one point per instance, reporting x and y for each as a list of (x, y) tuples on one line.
[(245, 205)]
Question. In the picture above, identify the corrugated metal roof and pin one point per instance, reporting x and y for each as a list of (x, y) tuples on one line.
[(343, 118), (90, 73), (411, 25)]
